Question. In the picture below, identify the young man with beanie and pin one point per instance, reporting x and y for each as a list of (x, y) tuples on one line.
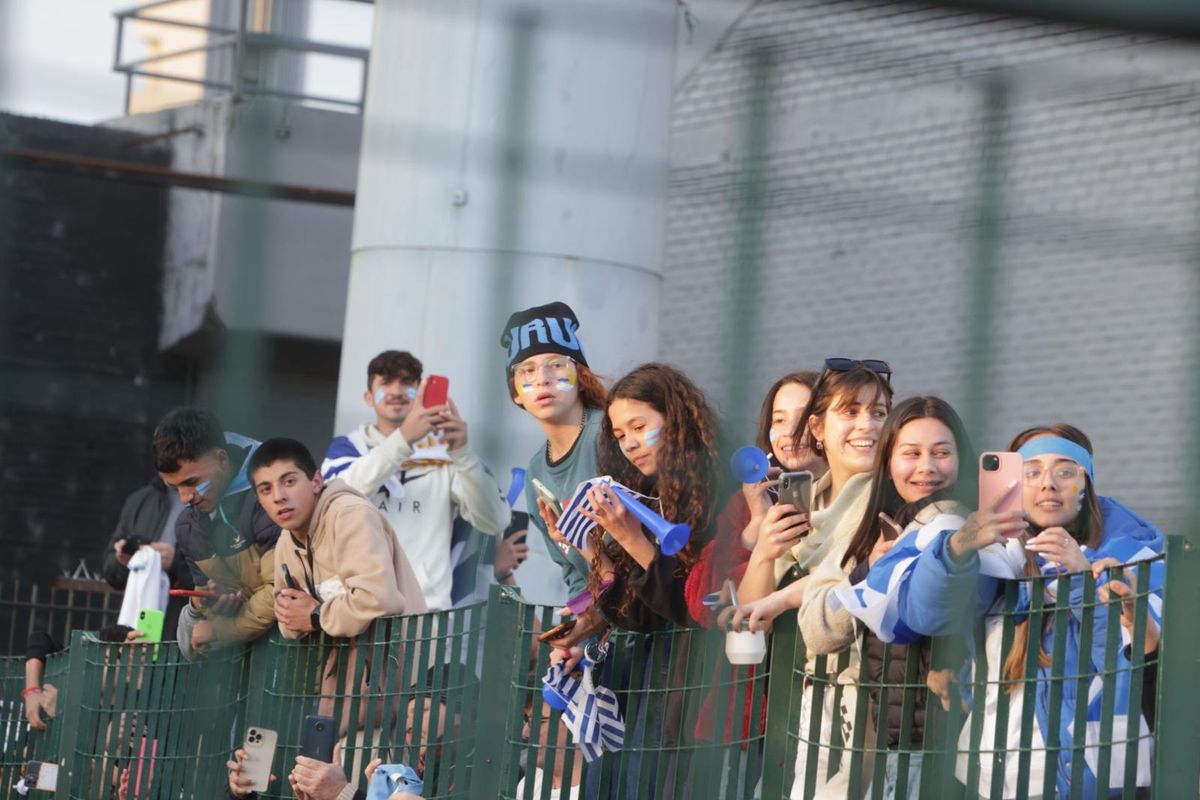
[(226, 538), (414, 464), (549, 377)]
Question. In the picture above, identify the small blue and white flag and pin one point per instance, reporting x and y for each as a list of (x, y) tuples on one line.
[(572, 524), (592, 715)]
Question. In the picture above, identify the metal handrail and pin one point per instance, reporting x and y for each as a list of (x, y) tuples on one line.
[(221, 38)]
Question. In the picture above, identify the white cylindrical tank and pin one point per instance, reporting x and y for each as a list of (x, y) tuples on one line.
[(514, 152)]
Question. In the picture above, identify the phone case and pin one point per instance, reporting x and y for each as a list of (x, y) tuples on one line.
[(547, 496), (260, 753), (559, 630), (995, 482), (437, 390), (287, 577), (796, 488), (150, 622), (317, 738)]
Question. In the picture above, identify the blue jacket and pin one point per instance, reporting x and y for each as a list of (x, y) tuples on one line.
[(930, 604)]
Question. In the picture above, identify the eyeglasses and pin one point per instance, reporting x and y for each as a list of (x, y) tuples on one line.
[(1059, 474), (846, 364), (529, 370)]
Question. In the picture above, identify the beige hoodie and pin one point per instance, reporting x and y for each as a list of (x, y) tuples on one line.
[(357, 567)]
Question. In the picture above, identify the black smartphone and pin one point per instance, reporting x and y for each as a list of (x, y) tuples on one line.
[(287, 577), (317, 738), (795, 488), (519, 524)]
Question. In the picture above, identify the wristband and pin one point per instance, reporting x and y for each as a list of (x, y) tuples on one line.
[(28, 690)]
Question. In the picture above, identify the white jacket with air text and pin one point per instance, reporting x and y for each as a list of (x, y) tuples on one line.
[(419, 492)]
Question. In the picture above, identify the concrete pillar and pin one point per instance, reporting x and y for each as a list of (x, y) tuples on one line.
[(514, 152)]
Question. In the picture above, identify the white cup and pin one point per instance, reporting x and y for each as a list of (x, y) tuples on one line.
[(744, 647)]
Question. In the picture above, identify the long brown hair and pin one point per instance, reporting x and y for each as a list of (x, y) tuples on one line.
[(685, 480), (1086, 529), (885, 499), (806, 378)]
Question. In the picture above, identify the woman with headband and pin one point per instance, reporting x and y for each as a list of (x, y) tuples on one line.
[(1065, 527)]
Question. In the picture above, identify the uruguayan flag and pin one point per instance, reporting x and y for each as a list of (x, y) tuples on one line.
[(592, 716), (572, 524), (876, 600)]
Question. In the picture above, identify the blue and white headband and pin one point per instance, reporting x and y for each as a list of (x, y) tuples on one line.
[(1054, 445)]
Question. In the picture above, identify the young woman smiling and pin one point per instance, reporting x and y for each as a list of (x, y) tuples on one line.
[(742, 517), (924, 472), (842, 421), (1065, 527)]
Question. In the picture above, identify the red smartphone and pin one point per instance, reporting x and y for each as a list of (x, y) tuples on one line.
[(437, 389), (997, 472), (193, 593)]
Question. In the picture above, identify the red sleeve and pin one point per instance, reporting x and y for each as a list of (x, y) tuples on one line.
[(723, 557)]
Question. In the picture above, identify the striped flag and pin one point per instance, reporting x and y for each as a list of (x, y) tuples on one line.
[(572, 524), (592, 715)]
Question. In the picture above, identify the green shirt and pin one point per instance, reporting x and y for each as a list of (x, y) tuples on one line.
[(562, 477)]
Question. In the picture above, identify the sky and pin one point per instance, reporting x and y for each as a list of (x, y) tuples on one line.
[(56, 55)]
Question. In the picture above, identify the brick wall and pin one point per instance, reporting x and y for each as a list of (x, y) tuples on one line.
[(869, 219)]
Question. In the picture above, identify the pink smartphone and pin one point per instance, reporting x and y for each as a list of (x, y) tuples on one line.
[(997, 471), (437, 389)]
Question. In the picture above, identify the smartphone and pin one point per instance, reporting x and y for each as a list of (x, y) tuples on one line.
[(997, 472), (437, 390), (548, 497), (557, 632), (194, 593), (317, 738), (518, 524), (287, 577), (150, 622), (795, 488), (41, 775), (259, 745)]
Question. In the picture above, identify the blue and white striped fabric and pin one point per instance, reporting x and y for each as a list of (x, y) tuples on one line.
[(875, 600), (345, 450), (592, 715), (572, 524)]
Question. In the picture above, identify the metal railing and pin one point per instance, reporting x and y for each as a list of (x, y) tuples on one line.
[(238, 47), (457, 695)]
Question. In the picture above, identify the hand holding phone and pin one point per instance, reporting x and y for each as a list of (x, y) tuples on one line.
[(548, 497), (437, 391), (558, 631), (795, 488), (317, 738), (259, 750), (998, 472), (150, 622)]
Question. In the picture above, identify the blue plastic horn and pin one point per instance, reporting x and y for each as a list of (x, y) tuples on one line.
[(515, 486), (749, 464), (672, 536)]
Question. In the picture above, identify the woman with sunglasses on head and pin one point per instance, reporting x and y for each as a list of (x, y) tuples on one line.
[(1065, 527), (842, 422)]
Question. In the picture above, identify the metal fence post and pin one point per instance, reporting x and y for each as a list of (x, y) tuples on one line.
[(500, 666), (1177, 743)]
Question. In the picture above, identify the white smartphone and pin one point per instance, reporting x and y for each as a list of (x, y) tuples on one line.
[(260, 752), (548, 496)]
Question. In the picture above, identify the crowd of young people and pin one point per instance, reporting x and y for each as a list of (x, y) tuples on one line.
[(894, 515)]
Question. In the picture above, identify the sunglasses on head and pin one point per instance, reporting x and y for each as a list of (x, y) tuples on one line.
[(846, 364)]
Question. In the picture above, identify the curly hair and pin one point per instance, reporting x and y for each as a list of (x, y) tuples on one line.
[(686, 478)]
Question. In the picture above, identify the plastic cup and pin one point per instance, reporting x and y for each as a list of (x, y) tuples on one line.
[(744, 647)]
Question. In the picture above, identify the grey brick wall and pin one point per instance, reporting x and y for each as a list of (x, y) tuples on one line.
[(869, 219)]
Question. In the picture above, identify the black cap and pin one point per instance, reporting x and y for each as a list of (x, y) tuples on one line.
[(542, 329)]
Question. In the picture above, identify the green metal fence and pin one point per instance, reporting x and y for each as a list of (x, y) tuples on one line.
[(457, 695)]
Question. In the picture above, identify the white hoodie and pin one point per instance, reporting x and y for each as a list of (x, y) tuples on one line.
[(420, 492)]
